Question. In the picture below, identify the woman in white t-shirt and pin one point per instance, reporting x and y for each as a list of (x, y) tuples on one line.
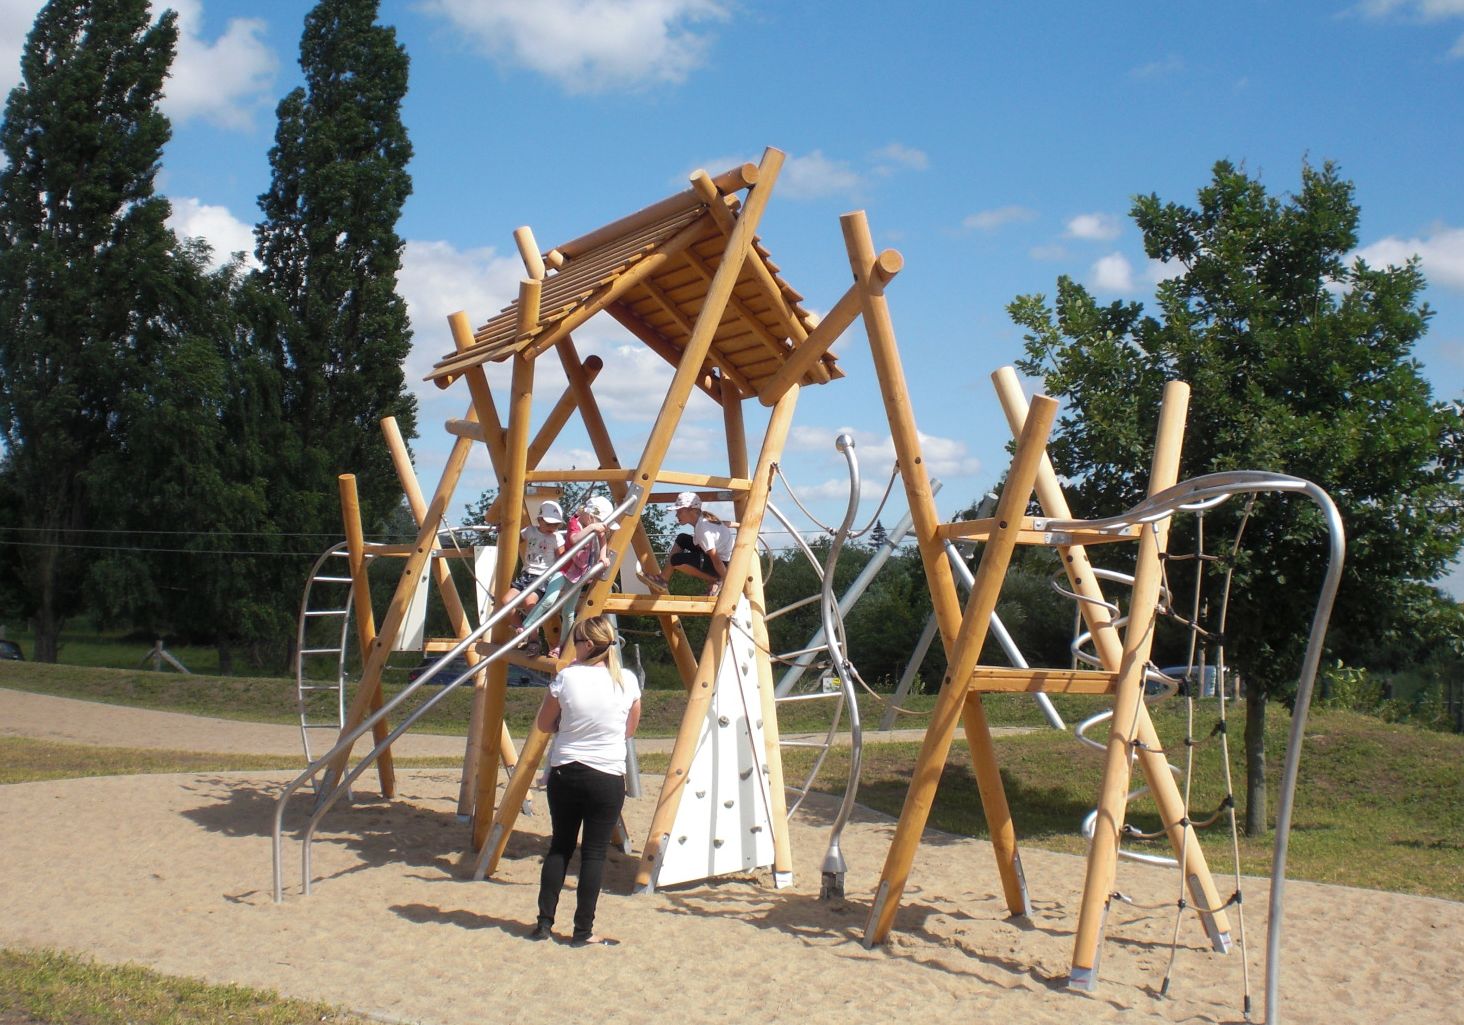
[(593, 706)]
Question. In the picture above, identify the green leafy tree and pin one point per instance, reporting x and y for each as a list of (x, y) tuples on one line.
[(330, 255), (1299, 362), (94, 288)]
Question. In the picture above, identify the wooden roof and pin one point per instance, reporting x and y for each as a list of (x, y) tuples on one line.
[(651, 271)]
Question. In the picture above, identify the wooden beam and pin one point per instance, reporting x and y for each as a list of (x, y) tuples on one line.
[(457, 616), (788, 319), (1002, 680), (827, 331), (1034, 531), (735, 180), (365, 617), (511, 496), (691, 480)]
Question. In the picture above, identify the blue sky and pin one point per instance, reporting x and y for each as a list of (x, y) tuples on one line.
[(996, 146)]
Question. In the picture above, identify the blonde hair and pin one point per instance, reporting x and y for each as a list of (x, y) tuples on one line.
[(604, 646)]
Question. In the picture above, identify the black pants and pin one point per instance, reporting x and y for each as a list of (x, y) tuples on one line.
[(579, 796), (685, 553)]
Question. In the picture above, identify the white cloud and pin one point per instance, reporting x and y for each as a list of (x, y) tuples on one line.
[(1170, 65), (16, 19), (1048, 253), (226, 81), (896, 157), (1096, 226), (1426, 10), (1113, 273), (990, 220), (589, 45), (944, 457), (815, 176), (1162, 270), (224, 232), (1441, 254)]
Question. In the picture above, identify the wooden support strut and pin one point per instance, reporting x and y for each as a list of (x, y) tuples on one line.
[(401, 461), (828, 330), (511, 492), (955, 698), (374, 659), (365, 618)]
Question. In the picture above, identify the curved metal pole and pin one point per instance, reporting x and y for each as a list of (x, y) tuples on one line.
[(1310, 663), (1202, 493), (833, 863), (328, 798)]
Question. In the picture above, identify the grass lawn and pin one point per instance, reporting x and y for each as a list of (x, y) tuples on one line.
[(46, 986), (273, 700)]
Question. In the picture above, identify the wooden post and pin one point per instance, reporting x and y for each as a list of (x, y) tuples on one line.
[(955, 688), (511, 489), (402, 462), (375, 659), (736, 582), (365, 618), (1128, 696)]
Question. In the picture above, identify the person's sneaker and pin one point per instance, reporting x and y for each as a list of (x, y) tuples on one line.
[(655, 583), (542, 931)]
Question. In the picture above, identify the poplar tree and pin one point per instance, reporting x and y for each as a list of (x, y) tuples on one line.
[(330, 255), (90, 309)]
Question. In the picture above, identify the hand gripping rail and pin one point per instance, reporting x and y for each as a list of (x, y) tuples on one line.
[(327, 798), (1202, 493)]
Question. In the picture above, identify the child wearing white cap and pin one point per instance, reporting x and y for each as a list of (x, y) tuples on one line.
[(540, 543), (590, 560), (703, 553)]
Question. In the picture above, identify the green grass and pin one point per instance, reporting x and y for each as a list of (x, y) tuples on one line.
[(46, 986), (272, 700), (24, 760)]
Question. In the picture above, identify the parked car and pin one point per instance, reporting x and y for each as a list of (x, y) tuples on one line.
[(1187, 675), (10, 652)]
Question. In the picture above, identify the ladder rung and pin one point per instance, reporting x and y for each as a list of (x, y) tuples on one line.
[(320, 651), (801, 743), (318, 686), (330, 612), (333, 580)]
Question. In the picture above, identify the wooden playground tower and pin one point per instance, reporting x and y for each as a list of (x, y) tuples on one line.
[(689, 278)]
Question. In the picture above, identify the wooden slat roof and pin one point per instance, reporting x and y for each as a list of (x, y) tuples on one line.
[(751, 342)]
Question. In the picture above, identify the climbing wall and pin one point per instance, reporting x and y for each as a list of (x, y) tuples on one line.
[(723, 824)]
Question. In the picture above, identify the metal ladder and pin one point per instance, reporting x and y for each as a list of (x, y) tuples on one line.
[(325, 602)]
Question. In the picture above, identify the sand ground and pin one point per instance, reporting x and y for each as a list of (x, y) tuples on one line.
[(174, 873)]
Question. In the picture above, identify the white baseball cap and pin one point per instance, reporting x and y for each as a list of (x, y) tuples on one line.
[(688, 500), (598, 507), (551, 512)]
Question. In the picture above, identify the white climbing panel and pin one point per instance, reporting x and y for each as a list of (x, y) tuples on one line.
[(723, 824)]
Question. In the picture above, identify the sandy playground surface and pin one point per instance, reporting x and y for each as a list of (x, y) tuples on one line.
[(173, 872)]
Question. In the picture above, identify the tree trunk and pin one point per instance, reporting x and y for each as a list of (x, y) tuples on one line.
[(45, 624), (1255, 762), (226, 658)]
